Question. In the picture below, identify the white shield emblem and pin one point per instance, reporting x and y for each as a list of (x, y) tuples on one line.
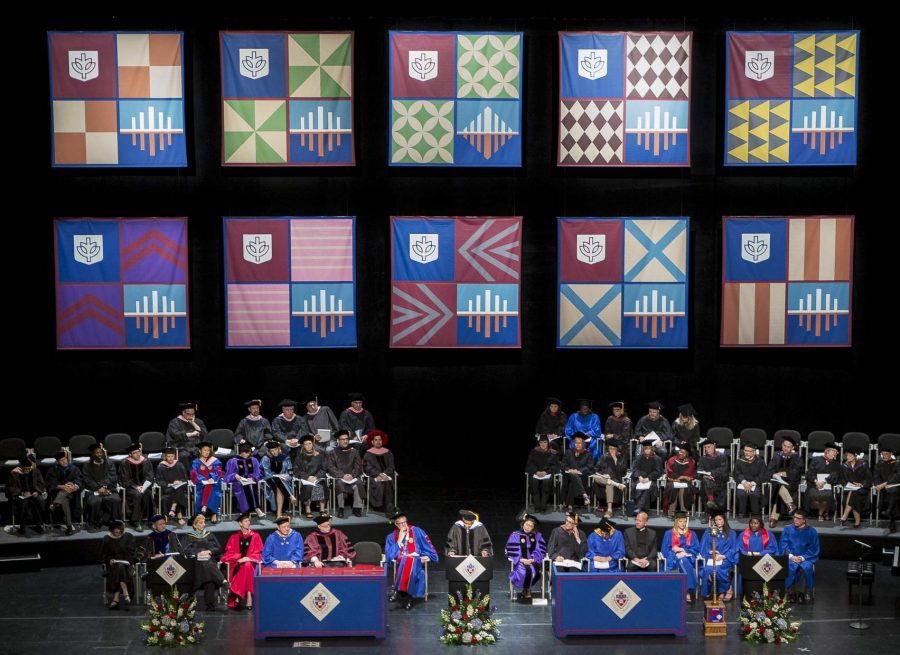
[(88, 248), (767, 568), (423, 65), (254, 62), (759, 65), (621, 599), (257, 248), (470, 568), (591, 248), (320, 601), (84, 65), (592, 63), (755, 247), (171, 571), (423, 248)]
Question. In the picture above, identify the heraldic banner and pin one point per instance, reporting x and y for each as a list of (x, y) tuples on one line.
[(290, 282), (622, 282), (787, 281), (287, 99), (455, 99), (455, 282), (117, 99), (624, 99), (121, 283), (791, 98)]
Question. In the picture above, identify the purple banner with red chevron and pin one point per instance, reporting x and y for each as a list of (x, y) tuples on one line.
[(455, 282), (290, 282), (121, 283)]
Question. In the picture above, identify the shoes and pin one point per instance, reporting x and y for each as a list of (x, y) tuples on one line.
[(821, 518), (357, 511), (126, 603), (843, 523), (801, 598), (340, 513), (181, 521), (857, 526), (114, 605), (408, 604), (139, 526), (260, 513), (569, 508), (587, 500), (70, 530), (772, 522), (39, 529), (728, 595), (172, 514), (807, 598), (607, 514), (308, 515), (214, 519), (688, 599), (393, 597)]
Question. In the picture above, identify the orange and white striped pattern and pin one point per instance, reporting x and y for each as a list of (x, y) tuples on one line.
[(754, 313), (820, 249)]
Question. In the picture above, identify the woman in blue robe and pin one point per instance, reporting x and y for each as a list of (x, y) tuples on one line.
[(605, 547), (726, 557), (681, 548), (409, 548), (206, 474), (526, 549)]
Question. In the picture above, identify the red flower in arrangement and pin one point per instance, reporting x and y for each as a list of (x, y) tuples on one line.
[(762, 630), (459, 631), (162, 633), (185, 606), (171, 615), (474, 640), (777, 640), (747, 628), (196, 628), (770, 613), (466, 616), (769, 595), (152, 629)]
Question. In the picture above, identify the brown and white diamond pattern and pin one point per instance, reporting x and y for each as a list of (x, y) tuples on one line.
[(591, 132), (658, 66)]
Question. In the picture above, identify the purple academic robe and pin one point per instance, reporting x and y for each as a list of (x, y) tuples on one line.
[(524, 545)]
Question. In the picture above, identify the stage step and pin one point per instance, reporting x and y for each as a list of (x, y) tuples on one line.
[(20, 563)]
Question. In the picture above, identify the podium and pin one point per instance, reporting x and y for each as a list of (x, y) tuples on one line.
[(468, 569), (756, 570), (171, 570)]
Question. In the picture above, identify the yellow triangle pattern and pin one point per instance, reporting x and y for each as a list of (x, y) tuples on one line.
[(808, 44), (742, 110), (774, 131), (848, 44)]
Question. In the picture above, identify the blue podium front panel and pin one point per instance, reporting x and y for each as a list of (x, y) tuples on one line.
[(608, 603), (320, 603)]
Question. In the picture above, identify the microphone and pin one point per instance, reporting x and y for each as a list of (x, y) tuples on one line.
[(180, 547), (864, 545)]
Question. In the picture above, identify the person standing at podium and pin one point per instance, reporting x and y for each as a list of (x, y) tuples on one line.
[(468, 536), (160, 536), (800, 542), (242, 553)]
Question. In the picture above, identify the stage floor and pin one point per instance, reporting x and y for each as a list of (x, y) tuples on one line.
[(61, 609)]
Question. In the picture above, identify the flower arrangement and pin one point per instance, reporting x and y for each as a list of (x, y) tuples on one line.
[(171, 621), (469, 620), (765, 618)]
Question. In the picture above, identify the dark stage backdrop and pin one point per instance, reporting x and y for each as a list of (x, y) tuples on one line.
[(463, 414)]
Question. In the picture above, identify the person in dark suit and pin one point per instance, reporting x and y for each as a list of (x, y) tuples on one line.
[(640, 545)]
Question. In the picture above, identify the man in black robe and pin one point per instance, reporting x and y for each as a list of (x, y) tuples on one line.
[(26, 488), (378, 465), (749, 475), (101, 489), (63, 486), (567, 544), (654, 422), (542, 465), (288, 427), (886, 481), (785, 466), (713, 471), (254, 428), (468, 536), (640, 545), (358, 421), (137, 478), (320, 417), (343, 465), (645, 471), (185, 432)]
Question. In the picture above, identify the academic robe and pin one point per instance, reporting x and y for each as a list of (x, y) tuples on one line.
[(859, 475), (525, 545), (59, 475), (176, 437), (122, 549), (690, 542), (888, 473), (675, 469), (284, 430), (468, 542), (306, 465), (326, 546), (323, 419), (820, 501), (97, 475), (205, 570), (354, 422), (548, 423), (339, 462), (602, 545), (650, 468), (755, 543), (284, 549), (272, 470), (166, 476), (541, 460), (805, 543), (564, 544), (255, 431), (727, 546), (161, 542), (249, 468), (208, 495), (746, 470), (410, 572), (381, 494), (29, 510), (242, 545), (791, 469), (683, 435), (645, 426), (719, 467), (133, 475), (589, 426), (574, 486), (620, 428)]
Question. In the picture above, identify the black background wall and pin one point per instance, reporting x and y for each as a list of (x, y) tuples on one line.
[(472, 410)]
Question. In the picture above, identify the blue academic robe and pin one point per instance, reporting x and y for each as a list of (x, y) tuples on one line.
[(805, 543), (614, 547), (691, 544), (410, 575), (286, 549), (757, 543), (524, 545), (275, 465), (207, 495), (590, 426), (728, 548)]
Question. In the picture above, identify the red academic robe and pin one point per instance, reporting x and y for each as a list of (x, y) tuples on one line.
[(242, 574)]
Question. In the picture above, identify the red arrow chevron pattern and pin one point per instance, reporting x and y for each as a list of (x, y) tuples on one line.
[(421, 315), (489, 249)]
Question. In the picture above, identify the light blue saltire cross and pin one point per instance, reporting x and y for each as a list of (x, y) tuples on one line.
[(655, 250), (590, 315)]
